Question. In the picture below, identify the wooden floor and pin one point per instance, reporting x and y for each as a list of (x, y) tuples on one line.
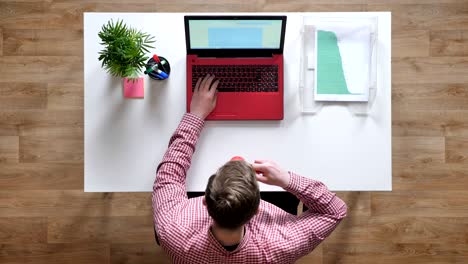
[(45, 217)]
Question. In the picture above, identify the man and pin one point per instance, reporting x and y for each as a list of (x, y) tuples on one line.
[(230, 224)]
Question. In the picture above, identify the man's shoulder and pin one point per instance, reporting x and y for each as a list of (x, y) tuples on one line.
[(195, 214), (189, 214), (183, 240), (191, 222), (269, 221), (270, 210)]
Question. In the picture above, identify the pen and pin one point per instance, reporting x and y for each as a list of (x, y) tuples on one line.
[(161, 73), (156, 59), (152, 68)]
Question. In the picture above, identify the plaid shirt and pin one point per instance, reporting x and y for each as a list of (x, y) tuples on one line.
[(271, 236)]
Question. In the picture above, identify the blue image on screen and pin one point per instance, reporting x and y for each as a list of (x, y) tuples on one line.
[(235, 38)]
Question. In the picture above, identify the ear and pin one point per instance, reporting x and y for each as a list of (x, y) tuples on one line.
[(204, 201)]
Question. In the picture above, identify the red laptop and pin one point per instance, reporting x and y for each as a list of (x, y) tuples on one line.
[(246, 54)]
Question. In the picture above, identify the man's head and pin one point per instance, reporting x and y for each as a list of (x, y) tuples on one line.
[(232, 195)]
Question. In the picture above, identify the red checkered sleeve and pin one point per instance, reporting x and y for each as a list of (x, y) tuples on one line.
[(305, 232), (169, 190)]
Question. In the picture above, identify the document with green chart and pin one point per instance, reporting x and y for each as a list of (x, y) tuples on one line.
[(343, 53)]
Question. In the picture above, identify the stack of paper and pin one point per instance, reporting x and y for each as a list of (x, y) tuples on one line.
[(342, 60)]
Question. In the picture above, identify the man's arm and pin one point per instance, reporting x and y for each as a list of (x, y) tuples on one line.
[(169, 187), (325, 213), (302, 234)]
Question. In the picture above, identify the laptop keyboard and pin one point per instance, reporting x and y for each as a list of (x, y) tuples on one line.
[(240, 78)]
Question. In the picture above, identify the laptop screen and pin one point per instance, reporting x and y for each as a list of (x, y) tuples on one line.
[(235, 33)]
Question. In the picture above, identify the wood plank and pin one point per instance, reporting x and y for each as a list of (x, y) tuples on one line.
[(418, 150), (66, 253), (23, 230), (307, 6), (9, 149), (410, 97), (28, 1), (42, 42), (200, 6), (51, 149), (420, 123), (140, 6), (456, 149), (18, 96), (41, 15), (41, 176), (420, 203), (412, 2), (138, 253), (397, 229), (73, 203), (110, 1), (358, 203), (51, 7), (318, 2), (410, 43), (117, 229), (9, 124), (313, 257), (449, 43), (420, 177), (430, 70), (16, 15), (61, 123), (1, 41), (52, 69), (69, 14), (408, 122), (383, 253), (352, 229), (434, 16), (52, 124), (65, 96)]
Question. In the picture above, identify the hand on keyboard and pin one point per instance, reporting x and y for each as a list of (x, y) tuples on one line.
[(240, 78), (204, 96)]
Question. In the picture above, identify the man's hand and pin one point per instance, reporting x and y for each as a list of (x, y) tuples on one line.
[(204, 96), (270, 173)]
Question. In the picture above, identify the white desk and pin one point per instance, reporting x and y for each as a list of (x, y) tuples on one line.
[(126, 138)]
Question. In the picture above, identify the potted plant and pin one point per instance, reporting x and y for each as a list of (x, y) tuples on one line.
[(124, 54)]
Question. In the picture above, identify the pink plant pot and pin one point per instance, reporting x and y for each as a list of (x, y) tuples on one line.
[(133, 88)]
